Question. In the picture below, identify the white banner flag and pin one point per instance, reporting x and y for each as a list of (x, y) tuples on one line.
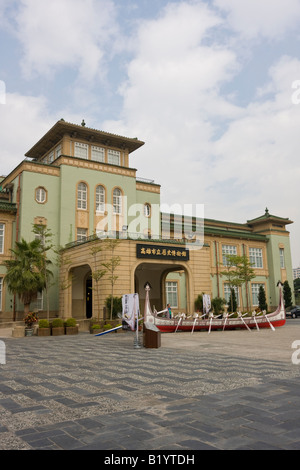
[(130, 309), (206, 303)]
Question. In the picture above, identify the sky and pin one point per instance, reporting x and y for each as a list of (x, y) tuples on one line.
[(211, 86)]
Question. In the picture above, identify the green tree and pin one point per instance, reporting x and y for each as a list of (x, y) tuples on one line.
[(239, 272), (233, 301), (117, 305), (218, 305), (232, 276), (26, 273), (111, 266), (45, 236), (262, 302), (97, 274), (297, 290), (199, 303), (287, 294), (245, 273)]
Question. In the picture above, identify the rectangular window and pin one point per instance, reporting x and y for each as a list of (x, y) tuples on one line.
[(281, 256), (2, 230), (82, 196), (228, 250), (81, 150), (227, 294), (255, 291), (172, 293), (38, 304), (256, 258), (58, 151), (81, 234), (117, 201), (1, 290), (113, 157), (98, 154), (51, 157)]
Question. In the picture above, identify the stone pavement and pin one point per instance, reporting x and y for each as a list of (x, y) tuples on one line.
[(227, 390)]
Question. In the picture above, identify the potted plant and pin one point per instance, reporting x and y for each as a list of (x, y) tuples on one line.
[(71, 326), (57, 327), (95, 329), (29, 320), (44, 328)]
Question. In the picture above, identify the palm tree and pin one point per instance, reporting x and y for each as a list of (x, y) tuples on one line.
[(26, 273)]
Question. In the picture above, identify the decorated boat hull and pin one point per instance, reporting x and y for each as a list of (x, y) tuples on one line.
[(197, 323)]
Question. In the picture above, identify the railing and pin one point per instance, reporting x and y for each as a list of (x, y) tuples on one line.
[(126, 236), (144, 180)]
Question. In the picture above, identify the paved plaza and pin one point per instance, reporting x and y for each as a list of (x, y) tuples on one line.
[(227, 390)]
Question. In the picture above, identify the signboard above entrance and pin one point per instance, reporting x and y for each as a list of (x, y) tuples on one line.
[(162, 252)]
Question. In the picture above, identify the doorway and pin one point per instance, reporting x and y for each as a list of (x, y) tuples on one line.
[(89, 297)]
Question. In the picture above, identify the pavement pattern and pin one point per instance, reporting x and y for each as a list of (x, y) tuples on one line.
[(100, 393)]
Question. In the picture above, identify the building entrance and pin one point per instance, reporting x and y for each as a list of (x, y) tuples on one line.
[(169, 284)]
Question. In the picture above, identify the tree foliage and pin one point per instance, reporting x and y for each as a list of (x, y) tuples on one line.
[(27, 271)]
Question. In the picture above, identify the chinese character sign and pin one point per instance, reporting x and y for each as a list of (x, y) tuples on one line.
[(160, 252), (130, 309)]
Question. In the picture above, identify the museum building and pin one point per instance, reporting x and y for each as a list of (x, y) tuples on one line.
[(78, 183)]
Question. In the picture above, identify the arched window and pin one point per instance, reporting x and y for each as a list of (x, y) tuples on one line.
[(147, 210), (82, 196), (100, 199), (117, 201)]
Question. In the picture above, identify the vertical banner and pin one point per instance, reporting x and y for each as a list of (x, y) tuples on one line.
[(206, 303), (130, 309)]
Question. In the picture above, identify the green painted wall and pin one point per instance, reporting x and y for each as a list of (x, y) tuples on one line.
[(275, 272)]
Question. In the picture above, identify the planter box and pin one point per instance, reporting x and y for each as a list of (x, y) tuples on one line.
[(44, 332), (71, 330), (95, 331), (18, 332), (58, 331)]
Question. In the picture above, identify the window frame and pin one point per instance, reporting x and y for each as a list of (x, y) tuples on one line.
[(81, 201), (255, 292), (80, 237), (111, 155), (226, 250), (98, 196), (171, 289), (117, 202), (281, 258), (147, 209), (255, 257), (100, 150), (1, 293), (2, 237), (79, 146), (40, 190)]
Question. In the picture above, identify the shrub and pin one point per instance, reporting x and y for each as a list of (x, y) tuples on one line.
[(96, 327), (218, 305), (70, 322), (44, 324), (107, 327), (117, 305), (199, 303), (57, 323)]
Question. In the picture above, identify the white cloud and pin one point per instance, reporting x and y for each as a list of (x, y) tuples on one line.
[(200, 146), (66, 33), (23, 121), (268, 18)]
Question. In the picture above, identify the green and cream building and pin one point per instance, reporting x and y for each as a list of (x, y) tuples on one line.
[(78, 182)]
